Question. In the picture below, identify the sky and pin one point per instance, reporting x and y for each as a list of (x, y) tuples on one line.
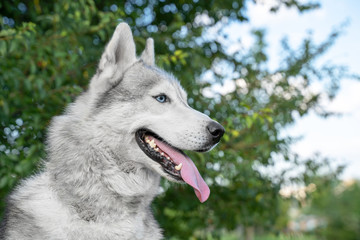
[(337, 138)]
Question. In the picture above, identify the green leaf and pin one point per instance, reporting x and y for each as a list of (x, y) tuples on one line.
[(3, 182)]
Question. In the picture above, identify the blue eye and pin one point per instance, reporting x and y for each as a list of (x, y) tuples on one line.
[(161, 98)]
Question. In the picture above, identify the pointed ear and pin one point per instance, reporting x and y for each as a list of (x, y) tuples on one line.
[(118, 56), (120, 50), (148, 55)]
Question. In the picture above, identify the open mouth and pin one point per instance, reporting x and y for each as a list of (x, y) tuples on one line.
[(173, 161), (147, 142)]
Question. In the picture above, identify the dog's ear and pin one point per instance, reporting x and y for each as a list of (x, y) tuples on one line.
[(119, 55), (120, 50), (148, 55)]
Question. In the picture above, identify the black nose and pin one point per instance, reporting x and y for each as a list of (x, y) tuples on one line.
[(216, 131)]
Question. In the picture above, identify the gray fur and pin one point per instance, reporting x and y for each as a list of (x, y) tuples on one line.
[(97, 183), (148, 56)]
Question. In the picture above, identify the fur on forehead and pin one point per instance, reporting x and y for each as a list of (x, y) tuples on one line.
[(136, 82), (143, 76)]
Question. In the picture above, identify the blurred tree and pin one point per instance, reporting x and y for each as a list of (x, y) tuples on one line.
[(337, 204), (49, 50)]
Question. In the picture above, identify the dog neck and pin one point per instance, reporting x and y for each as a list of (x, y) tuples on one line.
[(90, 179)]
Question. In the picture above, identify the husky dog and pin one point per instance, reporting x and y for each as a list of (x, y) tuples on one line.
[(106, 154)]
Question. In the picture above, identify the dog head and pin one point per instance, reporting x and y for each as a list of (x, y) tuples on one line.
[(143, 113)]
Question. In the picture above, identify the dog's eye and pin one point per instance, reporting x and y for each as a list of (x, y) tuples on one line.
[(161, 98)]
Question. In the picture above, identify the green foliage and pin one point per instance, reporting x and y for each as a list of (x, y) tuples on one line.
[(337, 205), (48, 55), (286, 237), (44, 65)]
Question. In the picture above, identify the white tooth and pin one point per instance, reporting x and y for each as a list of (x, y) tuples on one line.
[(156, 149), (162, 154), (152, 143), (168, 158), (178, 167)]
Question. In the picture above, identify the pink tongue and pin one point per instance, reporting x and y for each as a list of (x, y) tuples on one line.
[(188, 172)]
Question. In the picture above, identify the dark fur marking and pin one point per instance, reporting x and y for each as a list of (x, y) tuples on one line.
[(117, 93), (85, 214), (133, 204), (17, 218), (98, 71)]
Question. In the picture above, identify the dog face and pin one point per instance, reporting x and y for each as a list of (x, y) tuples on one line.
[(143, 111)]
